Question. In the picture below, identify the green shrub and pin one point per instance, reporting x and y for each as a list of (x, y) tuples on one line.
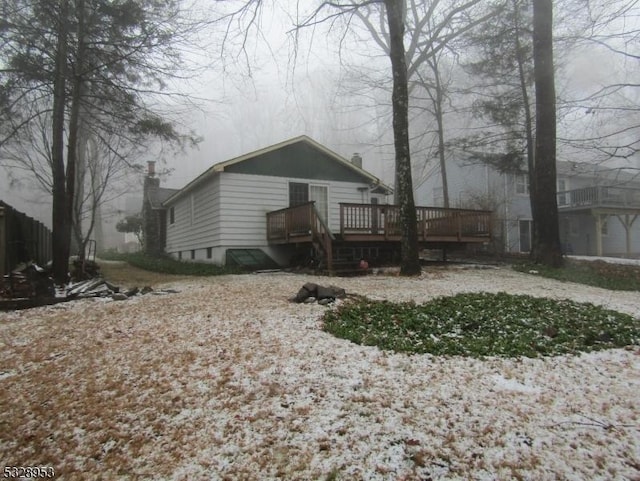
[(592, 273), (483, 324)]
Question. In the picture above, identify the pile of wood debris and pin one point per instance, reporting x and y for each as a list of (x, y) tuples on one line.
[(29, 285)]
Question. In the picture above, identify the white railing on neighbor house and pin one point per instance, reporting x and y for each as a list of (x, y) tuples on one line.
[(599, 196)]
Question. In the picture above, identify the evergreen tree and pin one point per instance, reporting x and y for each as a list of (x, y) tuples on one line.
[(92, 62)]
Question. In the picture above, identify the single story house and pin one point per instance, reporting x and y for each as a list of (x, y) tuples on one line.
[(294, 202), (225, 208)]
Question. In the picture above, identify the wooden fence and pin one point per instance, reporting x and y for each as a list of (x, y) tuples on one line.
[(22, 239)]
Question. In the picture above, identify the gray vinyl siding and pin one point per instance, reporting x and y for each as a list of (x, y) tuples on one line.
[(196, 228), (246, 201), (248, 198)]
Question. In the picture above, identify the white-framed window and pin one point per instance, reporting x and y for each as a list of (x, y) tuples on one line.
[(522, 183), (172, 215), (563, 195), (298, 193)]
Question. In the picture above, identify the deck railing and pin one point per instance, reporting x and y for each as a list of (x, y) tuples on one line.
[(290, 222), (599, 196), (300, 223), (383, 221)]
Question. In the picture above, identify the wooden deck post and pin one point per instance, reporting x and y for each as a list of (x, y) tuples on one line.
[(599, 235), (329, 253)]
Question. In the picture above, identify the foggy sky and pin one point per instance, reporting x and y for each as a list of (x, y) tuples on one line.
[(250, 100)]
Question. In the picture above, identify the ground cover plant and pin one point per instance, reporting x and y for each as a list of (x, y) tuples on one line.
[(168, 265), (617, 277), (226, 379), (483, 324)]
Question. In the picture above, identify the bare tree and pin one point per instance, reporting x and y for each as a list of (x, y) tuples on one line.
[(607, 109), (433, 28)]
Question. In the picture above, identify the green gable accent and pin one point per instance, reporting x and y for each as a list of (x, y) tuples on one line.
[(299, 160)]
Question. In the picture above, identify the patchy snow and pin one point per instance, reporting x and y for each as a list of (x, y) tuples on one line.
[(226, 380)]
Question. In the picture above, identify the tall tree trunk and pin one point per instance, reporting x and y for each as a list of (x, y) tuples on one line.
[(79, 203), (546, 248), (74, 126), (439, 111), (409, 260), (528, 122), (528, 117), (60, 217)]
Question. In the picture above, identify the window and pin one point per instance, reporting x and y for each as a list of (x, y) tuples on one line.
[(193, 254), (172, 215), (209, 252), (298, 193), (563, 195), (524, 226), (522, 184), (180, 255), (301, 193)]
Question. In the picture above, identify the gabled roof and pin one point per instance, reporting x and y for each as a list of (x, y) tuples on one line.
[(266, 156), (158, 195)]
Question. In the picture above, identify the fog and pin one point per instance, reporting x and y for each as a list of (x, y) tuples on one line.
[(280, 86)]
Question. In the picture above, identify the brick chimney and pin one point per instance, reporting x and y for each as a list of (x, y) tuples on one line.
[(150, 216), (357, 160), (150, 180)]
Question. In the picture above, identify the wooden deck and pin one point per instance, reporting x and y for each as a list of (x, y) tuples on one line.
[(369, 223), (374, 222)]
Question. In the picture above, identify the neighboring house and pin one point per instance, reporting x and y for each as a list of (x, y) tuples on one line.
[(153, 213), (598, 207), (295, 200)]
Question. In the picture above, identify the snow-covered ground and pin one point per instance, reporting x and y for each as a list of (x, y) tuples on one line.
[(228, 381)]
